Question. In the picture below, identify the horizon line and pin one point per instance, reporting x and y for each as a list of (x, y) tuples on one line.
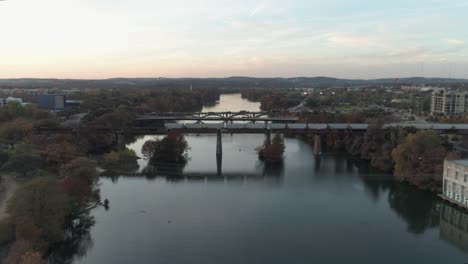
[(227, 77)]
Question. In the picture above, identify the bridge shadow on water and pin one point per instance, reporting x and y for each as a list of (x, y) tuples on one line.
[(175, 172)]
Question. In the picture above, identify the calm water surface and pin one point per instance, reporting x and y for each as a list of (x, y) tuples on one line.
[(327, 210)]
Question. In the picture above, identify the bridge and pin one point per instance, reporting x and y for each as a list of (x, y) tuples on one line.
[(254, 128), (224, 123), (226, 117)]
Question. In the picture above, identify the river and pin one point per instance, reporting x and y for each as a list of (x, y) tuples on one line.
[(331, 209)]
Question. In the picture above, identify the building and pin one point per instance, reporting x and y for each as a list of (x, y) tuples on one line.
[(455, 181), (52, 102), (420, 88), (4, 101), (73, 103), (449, 102)]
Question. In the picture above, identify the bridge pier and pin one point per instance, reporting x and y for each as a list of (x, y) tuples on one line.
[(219, 144), (219, 165), (268, 137), (317, 145), (120, 140)]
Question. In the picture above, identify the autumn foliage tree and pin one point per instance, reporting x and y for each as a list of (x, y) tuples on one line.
[(79, 176), (419, 160), (38, 210), (60, 153), (171, 148), (272, 152), (125, 160)]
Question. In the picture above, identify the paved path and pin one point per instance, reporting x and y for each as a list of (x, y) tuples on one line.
[(7, 189)]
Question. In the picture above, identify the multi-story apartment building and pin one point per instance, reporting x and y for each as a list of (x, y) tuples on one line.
[(449, 102), (455, 181)]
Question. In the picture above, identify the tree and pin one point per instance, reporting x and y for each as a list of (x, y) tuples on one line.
[(60, 153), (79, 177), (171, 148), (41, 203), (120, 160), (273, 152), (25, 164), (419, 159), (16, 130)]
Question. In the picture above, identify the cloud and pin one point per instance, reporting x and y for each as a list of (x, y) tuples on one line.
[(259, 8), (352, 40), (456, 42)]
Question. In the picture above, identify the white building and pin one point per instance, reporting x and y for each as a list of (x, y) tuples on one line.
[(14, 99), (10, 99), (455, 181)]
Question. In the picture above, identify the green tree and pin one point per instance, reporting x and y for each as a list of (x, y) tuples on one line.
[(16, 130), (120, 160), (26, 164)]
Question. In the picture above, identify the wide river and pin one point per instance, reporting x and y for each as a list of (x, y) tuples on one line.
[(331, 209)]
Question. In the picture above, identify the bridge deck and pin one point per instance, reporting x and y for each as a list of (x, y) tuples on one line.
[(213, 118), (249, 128)]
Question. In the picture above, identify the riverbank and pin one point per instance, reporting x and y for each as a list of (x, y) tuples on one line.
[(8, 187)]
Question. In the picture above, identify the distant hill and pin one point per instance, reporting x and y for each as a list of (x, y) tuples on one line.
[(230, 82)]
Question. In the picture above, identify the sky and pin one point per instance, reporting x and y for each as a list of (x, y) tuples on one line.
[(218, 38)]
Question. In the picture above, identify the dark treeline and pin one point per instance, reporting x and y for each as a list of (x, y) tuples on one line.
[(273, 100), (230, 82), (413, 156)]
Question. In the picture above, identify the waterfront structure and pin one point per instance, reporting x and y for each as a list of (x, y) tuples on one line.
[(52, 102), (449, 102), (455, 182)]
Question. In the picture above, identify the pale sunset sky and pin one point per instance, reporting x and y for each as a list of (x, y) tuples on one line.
[(218, 38)]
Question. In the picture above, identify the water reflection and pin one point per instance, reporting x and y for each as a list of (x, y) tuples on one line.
[(417, 208), (77, 241), (454, 226), (175, 172)]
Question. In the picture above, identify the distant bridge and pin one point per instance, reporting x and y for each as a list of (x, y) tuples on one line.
[(227, 117)]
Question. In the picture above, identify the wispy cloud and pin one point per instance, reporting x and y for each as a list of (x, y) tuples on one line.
[(352, 40), (455, 42), (259, 8)]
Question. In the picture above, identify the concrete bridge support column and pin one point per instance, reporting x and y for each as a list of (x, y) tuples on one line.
[(219, 165), (76, 138), (120, 141), (268, 137), (219, 145), (317, 145)]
